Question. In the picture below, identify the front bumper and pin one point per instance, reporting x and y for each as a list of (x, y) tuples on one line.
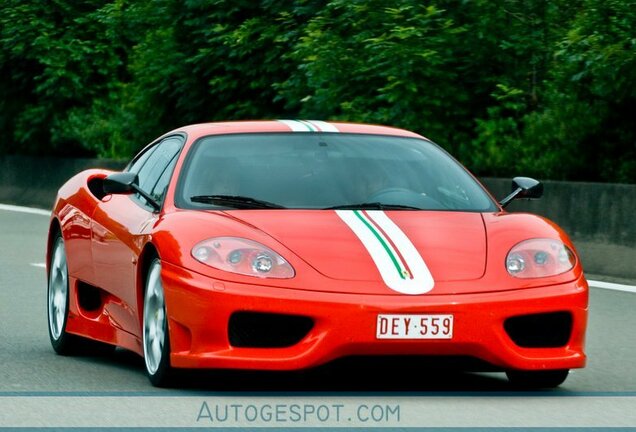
[(199, 310)]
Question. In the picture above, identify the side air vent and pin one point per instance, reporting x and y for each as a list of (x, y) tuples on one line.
[(96, 186), (89, 297)]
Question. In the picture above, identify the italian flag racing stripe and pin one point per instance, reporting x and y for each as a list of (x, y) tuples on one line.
[(309, 126), (406, 270), (398, 261), (386, 243), (324, 126)]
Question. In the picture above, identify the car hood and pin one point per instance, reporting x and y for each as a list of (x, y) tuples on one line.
[(356, 245)]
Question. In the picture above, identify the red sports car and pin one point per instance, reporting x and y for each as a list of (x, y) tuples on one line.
[(281, 245)]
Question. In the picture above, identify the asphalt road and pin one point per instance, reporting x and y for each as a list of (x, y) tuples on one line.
[(28, 365)]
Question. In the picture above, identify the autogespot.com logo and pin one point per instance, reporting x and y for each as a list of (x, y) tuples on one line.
[(296, 413)]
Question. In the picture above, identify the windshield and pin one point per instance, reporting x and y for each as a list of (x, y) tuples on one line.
[(325, 170)]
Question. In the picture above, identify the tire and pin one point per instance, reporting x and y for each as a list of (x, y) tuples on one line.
[(537, 379), (156, 338), (58, 300), (58, 295)]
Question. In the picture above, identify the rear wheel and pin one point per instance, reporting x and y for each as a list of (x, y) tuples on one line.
[(156, 340), (537, 379)]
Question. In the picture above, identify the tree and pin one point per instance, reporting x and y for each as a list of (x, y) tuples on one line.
[(513, 86)]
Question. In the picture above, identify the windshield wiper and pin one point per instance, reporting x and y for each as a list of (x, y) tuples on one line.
[(236, 201), (372, 206)]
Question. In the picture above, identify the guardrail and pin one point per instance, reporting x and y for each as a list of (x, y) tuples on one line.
[(598, 217), (34, 181)]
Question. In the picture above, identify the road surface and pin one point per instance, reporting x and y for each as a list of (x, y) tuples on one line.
[(35, 382)]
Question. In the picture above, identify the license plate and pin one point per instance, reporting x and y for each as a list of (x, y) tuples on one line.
[(414, 327)]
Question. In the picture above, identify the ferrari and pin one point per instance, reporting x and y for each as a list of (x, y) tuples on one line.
[(291, 244)]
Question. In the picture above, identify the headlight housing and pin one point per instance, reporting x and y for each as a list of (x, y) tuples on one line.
[(540, 257), (242, 256)]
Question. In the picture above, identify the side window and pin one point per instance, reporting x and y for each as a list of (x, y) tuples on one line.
[(159, 191), (137, 163), (156, 165)]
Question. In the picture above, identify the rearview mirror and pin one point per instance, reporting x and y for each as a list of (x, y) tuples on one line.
[(523, 187), (120, 183), (127, 183)]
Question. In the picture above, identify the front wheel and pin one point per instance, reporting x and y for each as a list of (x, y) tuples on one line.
[(156, 339), (537, 379), (58, 299), (58, 295)]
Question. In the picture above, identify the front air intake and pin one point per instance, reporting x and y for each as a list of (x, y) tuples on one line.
[(267, 330), (545, 330)]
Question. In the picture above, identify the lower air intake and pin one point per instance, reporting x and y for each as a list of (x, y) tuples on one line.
[(267, 330), (546, 330)]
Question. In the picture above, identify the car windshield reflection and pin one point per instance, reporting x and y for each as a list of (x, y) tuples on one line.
[(326, 171)]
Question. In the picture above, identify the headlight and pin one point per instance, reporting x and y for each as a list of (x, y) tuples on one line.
[(242, 256), (537, 258)]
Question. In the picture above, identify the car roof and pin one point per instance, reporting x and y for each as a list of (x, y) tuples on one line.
[(277, 126)]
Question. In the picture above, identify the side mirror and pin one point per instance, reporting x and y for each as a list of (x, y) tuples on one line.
[(120, 183), (523, 187), (127, 183)]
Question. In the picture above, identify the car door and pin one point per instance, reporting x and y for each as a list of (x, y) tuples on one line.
[(119, 225)]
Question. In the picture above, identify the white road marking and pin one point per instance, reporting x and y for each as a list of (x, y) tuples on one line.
[(41, 265), (612, 286), (21, 209)]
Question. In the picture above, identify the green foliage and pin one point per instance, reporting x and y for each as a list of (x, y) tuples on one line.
[(597, 71), (57, 57), (510, 87), (388, 62)]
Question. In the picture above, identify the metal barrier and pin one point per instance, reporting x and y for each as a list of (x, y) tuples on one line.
[(598, 217)]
